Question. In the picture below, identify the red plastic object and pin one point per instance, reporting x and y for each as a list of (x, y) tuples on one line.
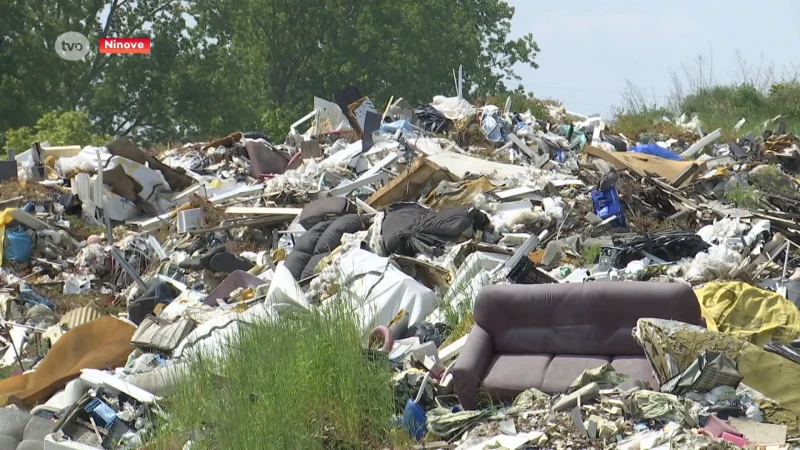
[(733, 439), (715, 427)]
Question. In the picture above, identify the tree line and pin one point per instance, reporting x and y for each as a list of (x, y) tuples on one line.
[(217, 66)]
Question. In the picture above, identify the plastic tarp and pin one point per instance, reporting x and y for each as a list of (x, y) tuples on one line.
[(377, 289), (493, 125), (655, 150), (454, 108), (213, 337), (673, 346), (749, 313), (85, 161), (471, 277)]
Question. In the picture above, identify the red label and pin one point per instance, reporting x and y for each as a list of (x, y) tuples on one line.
[(124, 45)]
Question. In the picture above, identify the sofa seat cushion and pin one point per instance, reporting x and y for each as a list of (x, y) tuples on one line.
[(511, 374)]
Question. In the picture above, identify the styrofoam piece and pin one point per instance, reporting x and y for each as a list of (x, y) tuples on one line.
[(99, 378), (190, 219)]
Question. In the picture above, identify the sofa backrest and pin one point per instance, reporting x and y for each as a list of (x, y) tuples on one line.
[(594, 318)]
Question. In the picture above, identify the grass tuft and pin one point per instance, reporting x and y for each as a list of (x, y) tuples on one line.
[(302, 382)]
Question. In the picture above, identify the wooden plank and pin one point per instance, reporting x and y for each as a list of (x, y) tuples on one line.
[(688, 173)]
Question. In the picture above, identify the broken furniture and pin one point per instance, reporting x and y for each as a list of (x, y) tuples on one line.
[(545, 336)]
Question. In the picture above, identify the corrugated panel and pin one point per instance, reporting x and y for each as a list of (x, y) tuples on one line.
[(80, 316)]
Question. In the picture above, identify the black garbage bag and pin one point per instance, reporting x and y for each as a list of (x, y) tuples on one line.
[(618, 143), (430, 119)]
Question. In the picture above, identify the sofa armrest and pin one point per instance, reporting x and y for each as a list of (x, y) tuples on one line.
[(472, 365)]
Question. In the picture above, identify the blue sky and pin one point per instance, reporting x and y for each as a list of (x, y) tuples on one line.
[(590, 48)]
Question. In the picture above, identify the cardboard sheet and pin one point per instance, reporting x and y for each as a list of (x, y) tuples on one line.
[(644, 164)]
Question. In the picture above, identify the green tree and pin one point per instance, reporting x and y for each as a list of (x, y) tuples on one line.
[(122, 94), (285, 52), (218, 66)]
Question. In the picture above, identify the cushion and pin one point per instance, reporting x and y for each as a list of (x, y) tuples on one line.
[(509, 375), (22, 431)]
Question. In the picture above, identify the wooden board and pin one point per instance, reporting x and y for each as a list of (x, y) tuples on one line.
[(408, 184)]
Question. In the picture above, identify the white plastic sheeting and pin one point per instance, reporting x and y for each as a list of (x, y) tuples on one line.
[(377, 289), (86, 160), (718, 261), (454, 108), (213, 338)]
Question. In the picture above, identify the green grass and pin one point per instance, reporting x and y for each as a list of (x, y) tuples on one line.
[(300, 383), (717, 106), (744, 197)]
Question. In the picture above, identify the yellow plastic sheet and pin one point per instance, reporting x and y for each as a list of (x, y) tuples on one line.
[(672, 346), (5, 219), (749, 313)]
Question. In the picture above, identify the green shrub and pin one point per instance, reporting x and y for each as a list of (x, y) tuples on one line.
[(59, 128), (744, 197)]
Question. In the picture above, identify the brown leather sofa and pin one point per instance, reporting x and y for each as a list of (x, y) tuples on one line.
[(545, 336)]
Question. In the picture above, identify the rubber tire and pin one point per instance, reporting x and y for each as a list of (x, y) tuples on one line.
[(388, 340)]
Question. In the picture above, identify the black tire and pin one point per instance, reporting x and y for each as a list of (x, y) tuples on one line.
[(256, 135)]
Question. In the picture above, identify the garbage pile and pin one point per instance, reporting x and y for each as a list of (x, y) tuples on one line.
[(119, 265)]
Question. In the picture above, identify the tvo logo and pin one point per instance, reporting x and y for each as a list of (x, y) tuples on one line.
[(72, 46)]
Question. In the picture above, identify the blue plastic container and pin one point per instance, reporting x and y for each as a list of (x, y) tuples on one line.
[(607, 204), (18, 246)]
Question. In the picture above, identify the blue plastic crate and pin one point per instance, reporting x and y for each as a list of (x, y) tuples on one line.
[(104, 416), (607, 204)]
